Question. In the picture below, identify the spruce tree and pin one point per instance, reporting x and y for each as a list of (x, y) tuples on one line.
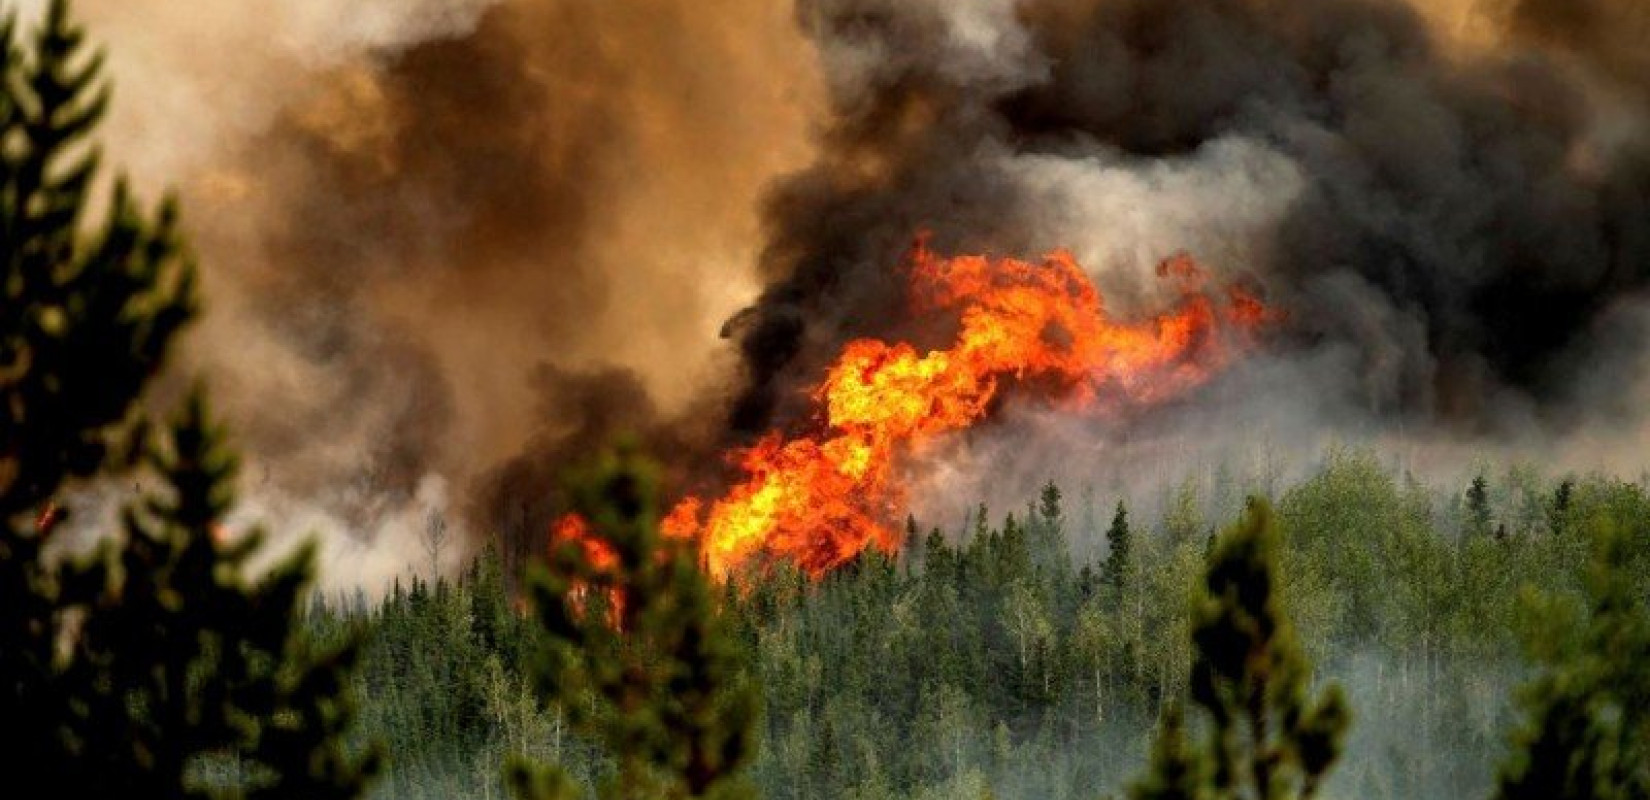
[(149, 666), (1118, 544), (1558, 511), (1267, 739), (1175, 771), (1048, 506), (1587, 730), (659, 682), (1478, 507)]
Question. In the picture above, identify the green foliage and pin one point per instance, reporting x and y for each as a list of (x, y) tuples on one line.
[(975, 669), (150, 664), (1176, 772), (1267, 739), (179, 663), (1119, 543), (1478, 507), (84, 322), (638, 655), (1587, 730)]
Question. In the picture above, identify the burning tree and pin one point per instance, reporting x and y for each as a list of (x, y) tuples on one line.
[(638, 655), (150, 664), (821, 498)]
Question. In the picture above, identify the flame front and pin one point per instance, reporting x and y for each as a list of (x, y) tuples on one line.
[(821, 499)]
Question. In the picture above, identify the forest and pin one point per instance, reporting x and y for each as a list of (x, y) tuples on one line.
[(1359, 631), (1034, 652)]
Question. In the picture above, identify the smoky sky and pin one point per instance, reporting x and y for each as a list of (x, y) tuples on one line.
[(1465, 218), (410, 213), (473, 239)]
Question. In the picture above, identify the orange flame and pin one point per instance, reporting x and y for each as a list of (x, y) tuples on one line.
[(598, 553), (574, 529), (822, 498), (48, 518)]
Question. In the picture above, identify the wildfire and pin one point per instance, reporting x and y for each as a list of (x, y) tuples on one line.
[(598, 553), (821, 498), (50, 514)]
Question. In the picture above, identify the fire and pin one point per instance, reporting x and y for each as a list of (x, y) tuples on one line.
[(573, 528), (821, 498), (598, 554), (50, 514)]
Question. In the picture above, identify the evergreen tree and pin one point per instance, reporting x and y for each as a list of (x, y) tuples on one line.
[(149, 666), (1048, 505), (1118, 544), (1478, 507), (1267, 739), (1175, 772), (1587, 732), (1558, 512), (659, 681)]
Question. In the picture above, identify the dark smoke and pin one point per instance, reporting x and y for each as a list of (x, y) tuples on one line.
[(459, 184), (1465, 219), (579, 414), (436, 252), (461, 241)]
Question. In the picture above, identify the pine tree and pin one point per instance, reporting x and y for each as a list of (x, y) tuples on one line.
[(1267, 739), (1478, 507), (1587, 732), (1176, 772), (1558, 512), (1048, 506), (1118, 543), (660, 682), (150, 665)]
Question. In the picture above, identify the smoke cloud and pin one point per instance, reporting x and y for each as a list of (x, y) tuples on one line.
[(450, 244), (1449, 204), (410, 213)]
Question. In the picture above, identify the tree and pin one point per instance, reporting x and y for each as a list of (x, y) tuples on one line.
[(180, 663), (1118, 543), (435, 539), (1478, 507), (1267, 739), (659, 680), (1587, 730), (1558, 511), (1048, 505), (150, 664), (1176, 771)]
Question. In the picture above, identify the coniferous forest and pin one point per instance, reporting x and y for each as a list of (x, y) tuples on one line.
[(1037, 652), (1358, 631)]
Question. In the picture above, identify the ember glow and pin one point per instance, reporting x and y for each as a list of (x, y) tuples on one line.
[(1040, 329), (574, 529)]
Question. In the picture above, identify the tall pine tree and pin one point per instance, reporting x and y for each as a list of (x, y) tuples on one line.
[(1586, 735), (657, 675), (150, 665), (1267, 738), (1118, 544)]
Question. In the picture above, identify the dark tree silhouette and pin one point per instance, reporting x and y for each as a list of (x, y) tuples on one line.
[(1268, 739), (150, 665), (637, 653)]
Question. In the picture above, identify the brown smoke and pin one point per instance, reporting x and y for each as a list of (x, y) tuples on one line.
[(450, 242), (405, 208)]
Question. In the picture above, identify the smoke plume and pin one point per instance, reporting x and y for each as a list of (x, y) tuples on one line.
[(411, 213), (452, 244)]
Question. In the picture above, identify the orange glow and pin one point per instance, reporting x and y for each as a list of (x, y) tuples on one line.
[(821, 498), (48, 518), (598, 553), (572, 528)]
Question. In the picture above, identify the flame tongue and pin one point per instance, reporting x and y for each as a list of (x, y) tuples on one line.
[(821, 499)]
